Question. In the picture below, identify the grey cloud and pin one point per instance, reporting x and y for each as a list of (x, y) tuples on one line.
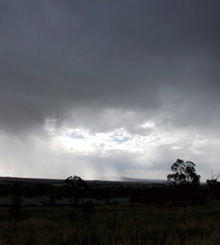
[(109, 64)]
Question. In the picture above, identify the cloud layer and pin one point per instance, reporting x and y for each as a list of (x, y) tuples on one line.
[(107, 88)]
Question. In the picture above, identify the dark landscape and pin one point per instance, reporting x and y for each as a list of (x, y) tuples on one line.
[(74, 211)]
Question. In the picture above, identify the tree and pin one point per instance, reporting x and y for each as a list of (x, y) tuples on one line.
[(76, 182), (75, 187), (184, 173), (213, 182), (214, 186)]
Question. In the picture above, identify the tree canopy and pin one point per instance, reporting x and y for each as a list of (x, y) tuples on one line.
[(76, 182), (183, 173)]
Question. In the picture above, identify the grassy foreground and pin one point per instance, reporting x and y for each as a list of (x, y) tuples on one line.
[(119, 224)]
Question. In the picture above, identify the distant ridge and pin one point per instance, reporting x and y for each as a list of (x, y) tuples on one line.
[(130, 179), (32, 180), (118, 179), (143, 180)]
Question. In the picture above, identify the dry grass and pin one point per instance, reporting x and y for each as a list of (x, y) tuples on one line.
[(118, 225)]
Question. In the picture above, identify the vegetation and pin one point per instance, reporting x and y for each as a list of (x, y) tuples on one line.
[(214, 187), (182, 212), (183, 173), (120, 224), (74, 187), (14, 210), (76, 182)]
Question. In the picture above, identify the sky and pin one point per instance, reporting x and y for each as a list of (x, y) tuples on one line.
[(105, 89)]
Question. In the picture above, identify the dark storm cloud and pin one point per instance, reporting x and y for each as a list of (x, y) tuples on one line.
[(62, 59)]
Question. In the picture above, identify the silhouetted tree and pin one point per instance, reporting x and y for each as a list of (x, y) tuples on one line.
[(76, 182), (184, 173), (185, 181), (214, 186), (213, 181), (75, 185)]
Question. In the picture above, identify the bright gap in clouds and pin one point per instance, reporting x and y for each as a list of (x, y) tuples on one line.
[(120, 153), (84, 142), (144, 152)]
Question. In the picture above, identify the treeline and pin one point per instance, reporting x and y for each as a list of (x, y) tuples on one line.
[(183, 187), (143, 193)]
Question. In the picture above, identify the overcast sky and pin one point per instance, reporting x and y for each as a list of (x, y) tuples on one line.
[(111, 88)]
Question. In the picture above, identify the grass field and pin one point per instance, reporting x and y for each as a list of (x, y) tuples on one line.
[(119, 224)]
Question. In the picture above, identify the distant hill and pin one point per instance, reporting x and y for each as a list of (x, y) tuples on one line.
[(160, 181), (102, 180), (31, 180)]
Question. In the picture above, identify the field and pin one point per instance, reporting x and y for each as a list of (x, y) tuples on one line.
[(113, 224)]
